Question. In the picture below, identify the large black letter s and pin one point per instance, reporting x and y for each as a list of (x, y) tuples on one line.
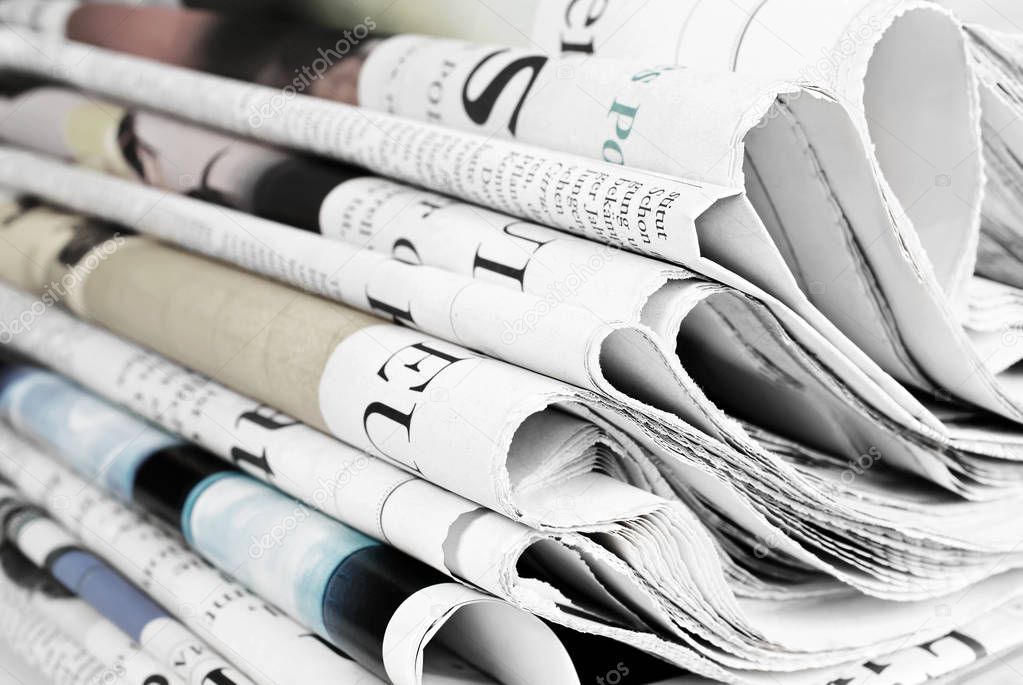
[(479, 110)]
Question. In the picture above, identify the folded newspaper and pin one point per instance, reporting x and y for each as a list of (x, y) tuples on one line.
[(897, 282), (640, 340), (971, 383), (657, 593), (865, 54)]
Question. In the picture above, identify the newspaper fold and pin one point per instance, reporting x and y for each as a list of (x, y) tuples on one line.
[(898, 285), (779, 508), (958, 647), (45, 481), (309, 127), (371, 212), (988, 644), (997, 52), (854, 256), (458, 537), (304, 113), (451, 403)]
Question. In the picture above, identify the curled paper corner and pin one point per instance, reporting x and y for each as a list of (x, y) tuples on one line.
[(470, 630)]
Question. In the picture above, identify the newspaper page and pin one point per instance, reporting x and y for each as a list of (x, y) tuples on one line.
[(50, 547), (817, 129), (41, 642), (874, 530), (997, 52), (985, 646), (731, 234), (272, 446), (958, 576), (895, 317), (909, 665), (572, 447), (355, 436), (65, 497), (461, 400), (126, 660), (1003, 15), (473, 542)]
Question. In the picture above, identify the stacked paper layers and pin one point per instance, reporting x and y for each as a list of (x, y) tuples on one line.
[(405, 341)]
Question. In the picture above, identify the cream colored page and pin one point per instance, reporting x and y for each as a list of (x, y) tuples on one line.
[(258, 336), (289, 349), (32, 240), (561, 342), (261, 337)]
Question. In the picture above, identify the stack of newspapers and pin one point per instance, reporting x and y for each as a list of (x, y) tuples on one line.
[(533, 342)]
